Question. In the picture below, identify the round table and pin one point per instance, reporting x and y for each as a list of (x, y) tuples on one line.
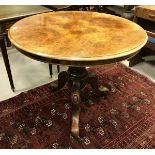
[(77, 39)]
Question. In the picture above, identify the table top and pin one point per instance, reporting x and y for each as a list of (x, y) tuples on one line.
[(8, 12), (77, 37)]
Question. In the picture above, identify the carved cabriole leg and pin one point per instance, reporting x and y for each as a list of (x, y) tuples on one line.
[(93, 81), (62, 79), (75, 97)]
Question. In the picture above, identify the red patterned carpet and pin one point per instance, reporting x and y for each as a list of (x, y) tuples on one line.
[(125, 118)]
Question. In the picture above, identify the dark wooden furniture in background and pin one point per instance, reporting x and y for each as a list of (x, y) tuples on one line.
[(9, 14), (144, 15), (68, 7), (6, 61)]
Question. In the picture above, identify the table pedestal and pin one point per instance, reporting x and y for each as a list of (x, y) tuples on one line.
[(77, 78)]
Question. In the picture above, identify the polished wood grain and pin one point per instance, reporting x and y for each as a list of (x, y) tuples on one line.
[(145, 12), (77, 36)]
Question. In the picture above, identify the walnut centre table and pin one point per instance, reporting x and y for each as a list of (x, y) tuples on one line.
[(77, 39)]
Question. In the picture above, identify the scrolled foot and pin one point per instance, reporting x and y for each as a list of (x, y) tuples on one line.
[(99, 90), (75, 124), (62, 79), (103, 90)]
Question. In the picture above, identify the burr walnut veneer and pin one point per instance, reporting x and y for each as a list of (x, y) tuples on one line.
[(77, 39), (86, 37)]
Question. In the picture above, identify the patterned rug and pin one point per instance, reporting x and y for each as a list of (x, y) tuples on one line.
[(124, 118)]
